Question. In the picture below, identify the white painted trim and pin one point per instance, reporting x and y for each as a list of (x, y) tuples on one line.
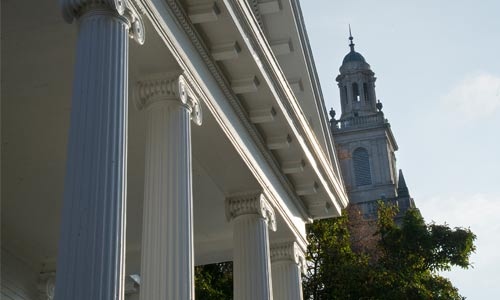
[(230, 117), (272, 74)]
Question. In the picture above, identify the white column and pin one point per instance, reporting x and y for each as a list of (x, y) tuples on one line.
[(252, 216), (167, 235), (287, 263), (91, 255), (46, 285)]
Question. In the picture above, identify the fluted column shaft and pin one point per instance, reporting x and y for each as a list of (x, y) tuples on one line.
[(287, 264), (252, 217), (167, 251), (91, 248), (287, 281), (167, 270), (251, 258)]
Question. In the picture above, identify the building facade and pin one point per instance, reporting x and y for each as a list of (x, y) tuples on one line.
[(364, 140), (143, 137)]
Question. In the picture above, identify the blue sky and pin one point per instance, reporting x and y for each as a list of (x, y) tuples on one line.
[(437, 65)]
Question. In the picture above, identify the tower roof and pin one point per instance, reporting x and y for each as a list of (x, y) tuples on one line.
[(353, 60), (353, 56)]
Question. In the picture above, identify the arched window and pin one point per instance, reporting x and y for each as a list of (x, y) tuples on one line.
[(361, 162), (365, 92), (355, 91), (345, 95)]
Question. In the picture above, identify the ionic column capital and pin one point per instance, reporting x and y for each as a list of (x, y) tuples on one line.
[(289, 251), (46, 285), (165, 87), (131, 10), (250, 203)]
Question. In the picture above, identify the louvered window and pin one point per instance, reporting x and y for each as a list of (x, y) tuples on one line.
[(365, 92), (345, 95), (355, 91), (361, 167)]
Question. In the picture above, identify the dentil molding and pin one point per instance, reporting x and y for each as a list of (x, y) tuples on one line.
[(131, 10), (250, 203), (167, 87)]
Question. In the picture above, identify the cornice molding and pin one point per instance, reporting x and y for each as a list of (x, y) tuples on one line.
[(255, 8), (130, 10), (262, 52), (179, 17), (248, 204), (225, 86), (167, 87), (289, 251)]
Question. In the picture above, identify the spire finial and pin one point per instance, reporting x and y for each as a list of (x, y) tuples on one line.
[(351, 44)]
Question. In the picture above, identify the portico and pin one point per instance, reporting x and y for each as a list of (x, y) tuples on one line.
[(196, 142)]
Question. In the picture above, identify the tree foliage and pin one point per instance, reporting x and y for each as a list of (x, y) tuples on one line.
[(333, 268), (214, 281), (354, 258), (383, 260)]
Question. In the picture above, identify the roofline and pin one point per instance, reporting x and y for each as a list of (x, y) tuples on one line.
[(272, 73), (313, 76)]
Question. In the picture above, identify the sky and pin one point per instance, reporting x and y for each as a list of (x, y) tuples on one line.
[(437, 65)]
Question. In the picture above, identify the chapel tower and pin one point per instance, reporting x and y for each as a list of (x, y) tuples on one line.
[(364, 139)]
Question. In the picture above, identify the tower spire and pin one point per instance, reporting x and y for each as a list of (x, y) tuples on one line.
[(351, 44), (402, 188)]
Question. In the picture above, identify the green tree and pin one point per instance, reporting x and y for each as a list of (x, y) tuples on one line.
[(353, 258), (414, 252), (402, 264), (214, 281), (334, 270)]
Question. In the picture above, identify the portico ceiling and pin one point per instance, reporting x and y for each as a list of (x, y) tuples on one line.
[(38, 50)]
